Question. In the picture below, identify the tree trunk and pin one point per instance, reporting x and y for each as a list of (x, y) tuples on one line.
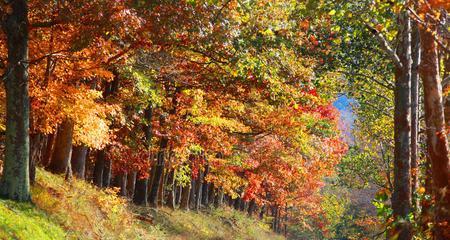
[(401, 197), (79, 154), (415, 53), (141, 187), (211, 195), (107, 172), (49, 149), (98, 168), (121, 182), (161, 189), (436, 132), (36, 148), (220, 197), (63, 148), (198, 191), (131, 184), (159, 171), (185, 192), (205, 187), (251, 207), (426, 203), (171, 189), (192, 193), (15, 181), (140, 192)]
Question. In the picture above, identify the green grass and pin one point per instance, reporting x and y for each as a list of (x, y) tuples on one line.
[(25, 221), (78, 210)]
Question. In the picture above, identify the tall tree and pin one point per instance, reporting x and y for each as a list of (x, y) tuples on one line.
[(401, 198), (435, 130), (15, 183)]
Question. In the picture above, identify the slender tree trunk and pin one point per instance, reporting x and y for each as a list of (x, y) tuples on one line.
[(192, 193), (161, 189), (220, 197), (107, 172), (198, 190), (426, 216), (185, 193), (251, 207), (15, 182), (99, 168), (171, 183), (140, 195), (436, 132), (401, 198), (159, 171), (123, 184), (205, 187), (415, 48), (48, 152), (63, 148), (79, 154), (36, 148), (131, 184), (212, 195)]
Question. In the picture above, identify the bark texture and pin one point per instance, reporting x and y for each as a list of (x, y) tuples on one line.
[(78, 161), (401, 198), (63, 148), (15, 182), (436, 133)]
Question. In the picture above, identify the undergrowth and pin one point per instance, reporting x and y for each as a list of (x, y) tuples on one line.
[(77, 210)]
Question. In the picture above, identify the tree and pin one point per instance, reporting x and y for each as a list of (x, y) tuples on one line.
[(15, 181), (437, 145)]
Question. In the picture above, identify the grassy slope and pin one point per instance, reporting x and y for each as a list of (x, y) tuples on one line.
[(77, 210)]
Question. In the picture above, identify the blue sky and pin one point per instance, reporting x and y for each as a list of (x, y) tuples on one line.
[(347, 118)]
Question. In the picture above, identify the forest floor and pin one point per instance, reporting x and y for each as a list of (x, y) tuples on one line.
[(79, 210)]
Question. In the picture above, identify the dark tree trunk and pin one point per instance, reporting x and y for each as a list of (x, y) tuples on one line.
[(15, 182), (275, 219), (159, 171), (211, 195), (261, 213), (140, 192), (63, 148), (436, 132), (107, 173), (48, 152), (37, 141), (98, 168), (220, 197), (120, 181), (401, 198), (140, 195), (237, 203), (79, 154), (192, 193), (415, 48), (251, 207), (131, 184), (205, 187)]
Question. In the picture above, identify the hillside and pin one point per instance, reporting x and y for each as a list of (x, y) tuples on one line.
[(77, 210)]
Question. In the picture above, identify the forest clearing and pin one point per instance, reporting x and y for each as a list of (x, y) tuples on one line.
[(225, 119)]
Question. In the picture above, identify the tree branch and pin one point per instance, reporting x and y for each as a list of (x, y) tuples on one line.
[(386, 46)]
